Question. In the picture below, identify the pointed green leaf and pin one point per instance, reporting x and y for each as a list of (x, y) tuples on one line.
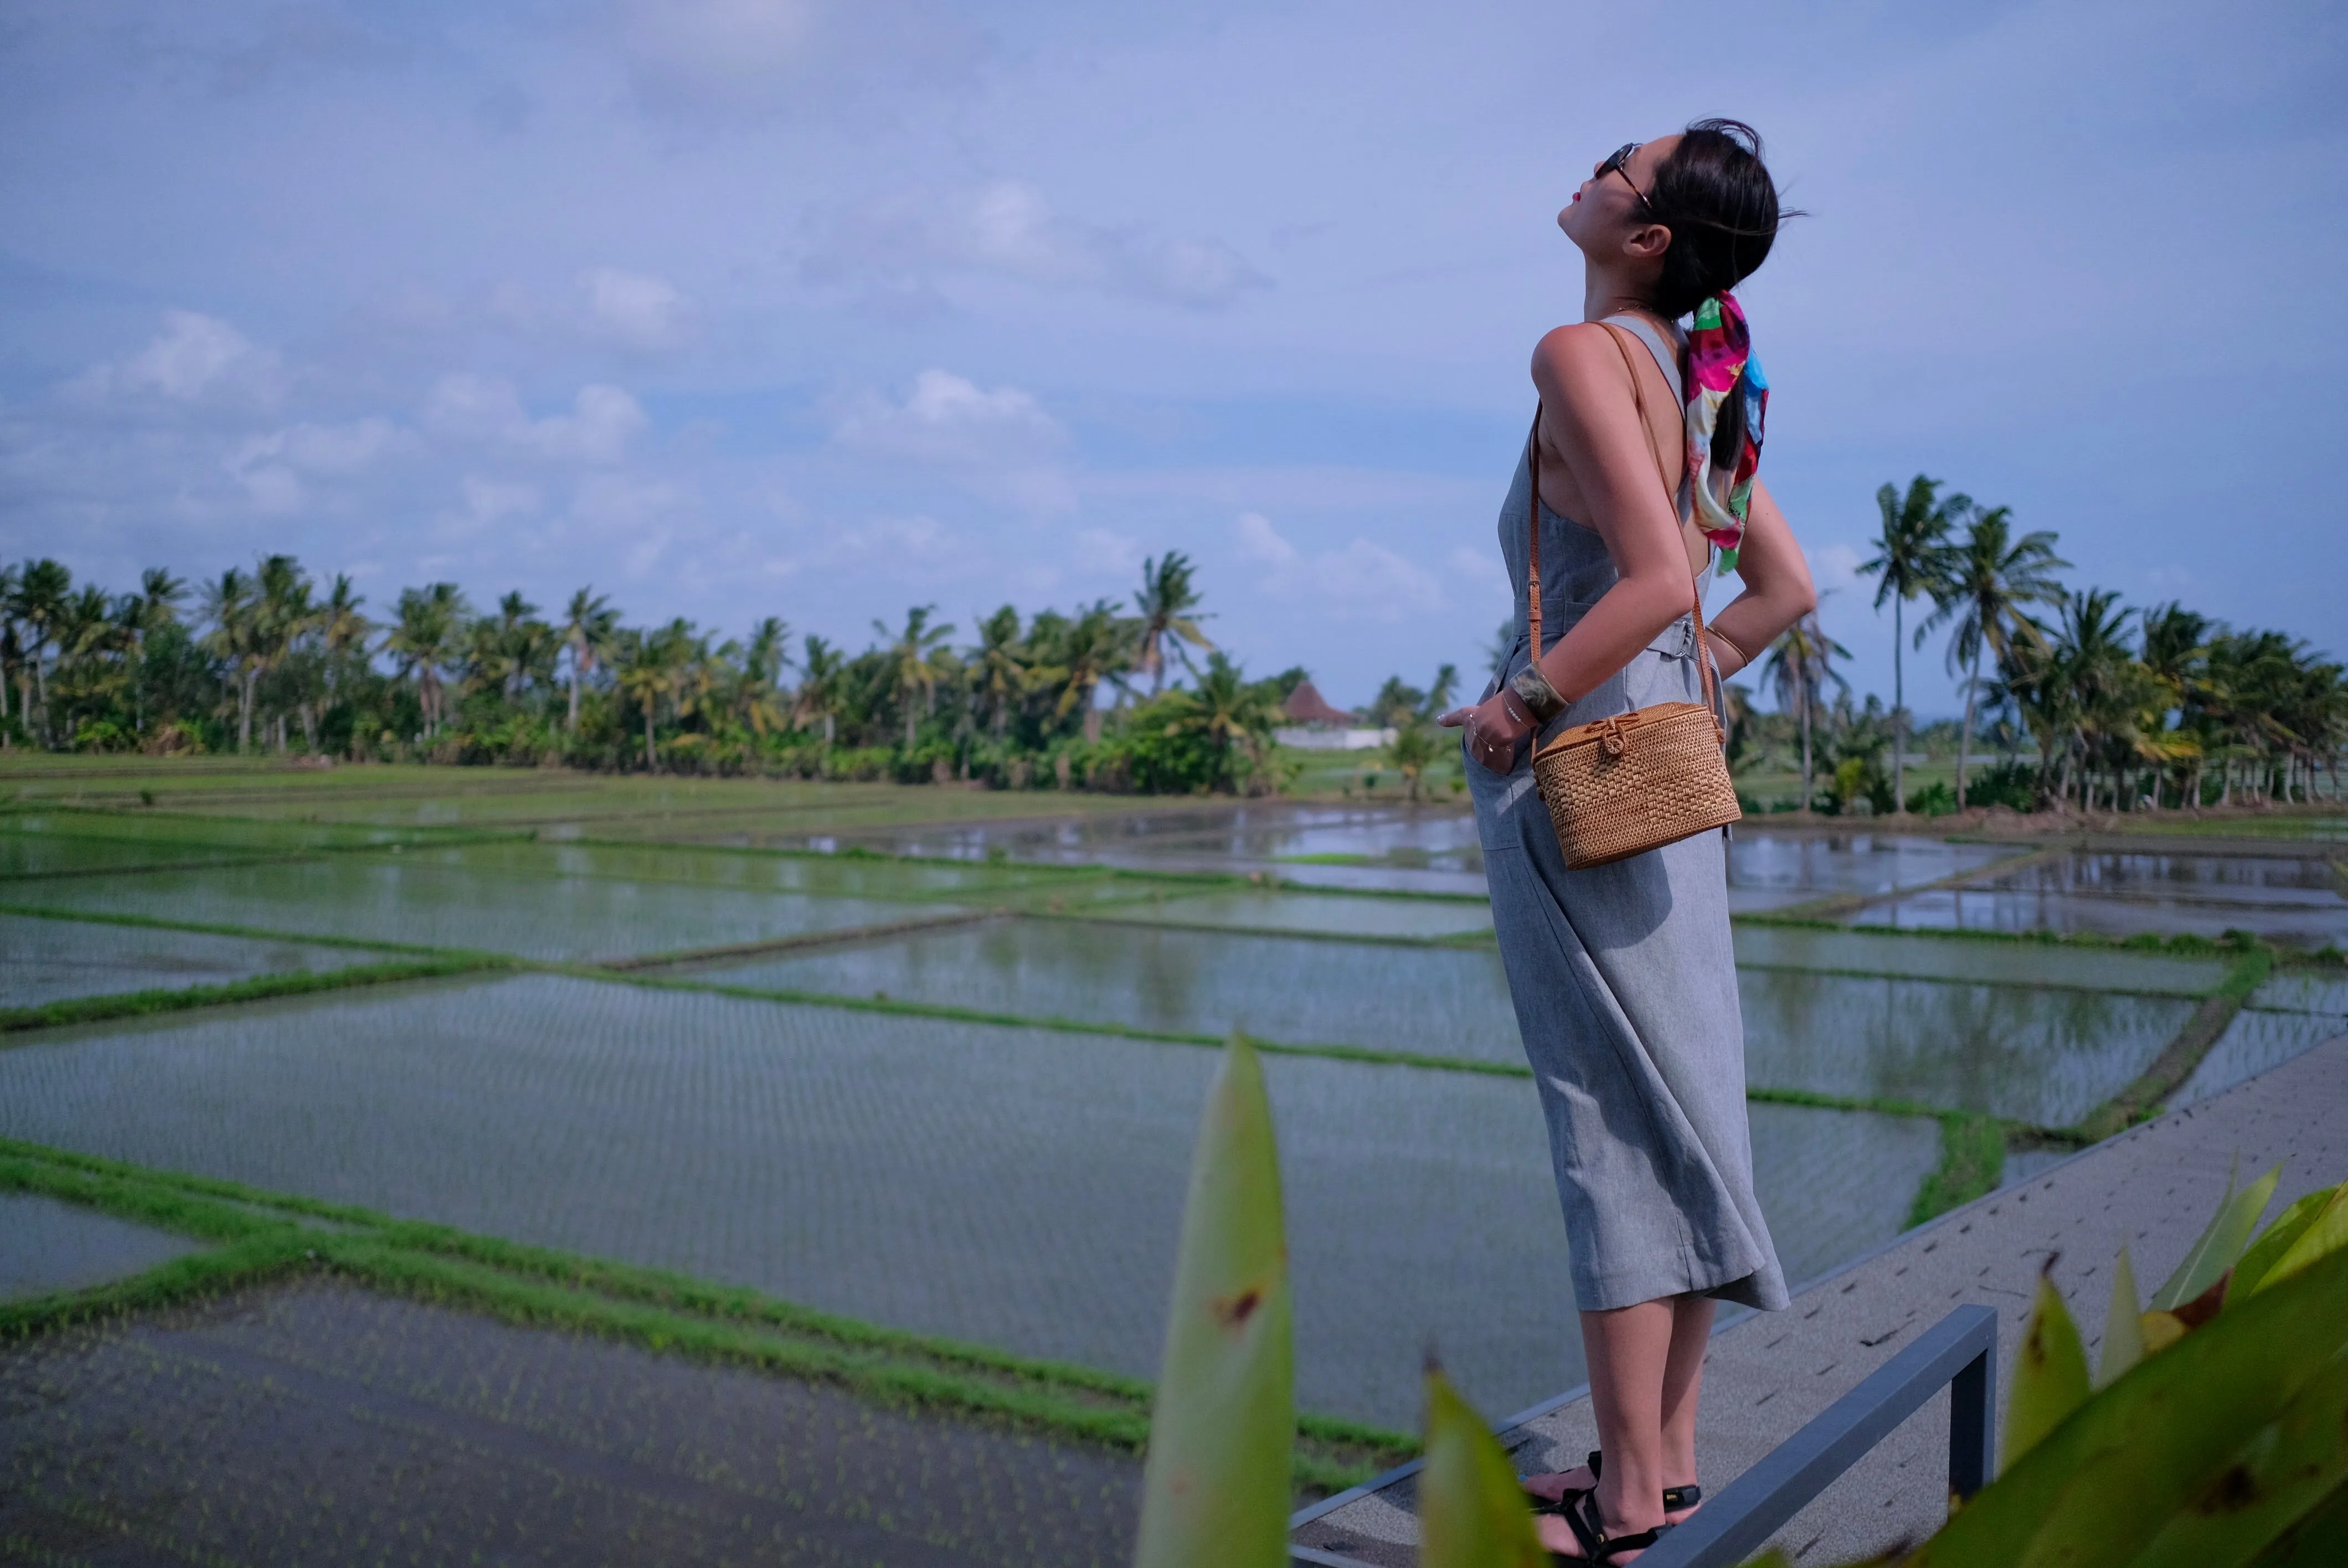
[(1471, 1509), (2263, 1253), (2325, 1234), (2050, 1375), (1215, 1487), (2220, 1246), (2279, 1476), (2122, 1325), (2102, 1484), (2319, 1541)]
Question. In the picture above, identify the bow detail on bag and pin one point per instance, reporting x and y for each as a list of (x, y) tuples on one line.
[(1613, 735)]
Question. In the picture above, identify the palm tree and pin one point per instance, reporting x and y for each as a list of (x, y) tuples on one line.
[(1165, 603), (819, 693), (646, 666), (914, 664), (758, 695), (1000, 675), (1232, 714), (1911, 557), (38, 604), (423, 641), (589, 632), (1988, 579), (1093, 648), (1799, 666), (155, 606), (282, 618), (230, 610)]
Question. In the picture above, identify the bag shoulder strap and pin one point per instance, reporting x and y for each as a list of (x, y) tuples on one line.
[(1710, 679)]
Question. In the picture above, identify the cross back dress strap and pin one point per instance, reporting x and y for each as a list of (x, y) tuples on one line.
[(1667, 360)]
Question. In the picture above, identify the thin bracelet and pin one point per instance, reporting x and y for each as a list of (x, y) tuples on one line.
[(1743, 659)]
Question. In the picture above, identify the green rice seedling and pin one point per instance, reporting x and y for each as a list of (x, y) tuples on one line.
[(1215, 1487), (1471, 1507)]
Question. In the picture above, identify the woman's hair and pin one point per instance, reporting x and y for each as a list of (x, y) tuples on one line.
[(1716, 196)]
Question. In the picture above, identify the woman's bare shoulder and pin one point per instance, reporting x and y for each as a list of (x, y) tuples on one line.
[(1576, 359)]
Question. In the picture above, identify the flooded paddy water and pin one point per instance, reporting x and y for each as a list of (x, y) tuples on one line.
[(943, 1122)]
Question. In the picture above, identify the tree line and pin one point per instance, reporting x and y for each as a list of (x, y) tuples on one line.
[(273, 660), (2125, 708)]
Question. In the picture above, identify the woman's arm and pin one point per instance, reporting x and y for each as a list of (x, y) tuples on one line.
[(1589, 419), (1778, 588)]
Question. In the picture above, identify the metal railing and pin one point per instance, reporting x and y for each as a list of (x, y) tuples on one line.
[(1960, 1351)]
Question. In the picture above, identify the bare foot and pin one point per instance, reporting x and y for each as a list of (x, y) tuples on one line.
[(1554, 1484)]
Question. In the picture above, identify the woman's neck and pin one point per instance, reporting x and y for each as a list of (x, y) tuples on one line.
[(1605, 292)]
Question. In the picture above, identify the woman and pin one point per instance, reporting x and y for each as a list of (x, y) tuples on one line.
[(1622, 975)]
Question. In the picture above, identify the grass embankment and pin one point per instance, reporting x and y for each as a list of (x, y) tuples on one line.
[(260, 1237), (257, 988)]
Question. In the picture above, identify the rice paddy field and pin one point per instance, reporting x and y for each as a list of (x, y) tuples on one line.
[(603, 1169)]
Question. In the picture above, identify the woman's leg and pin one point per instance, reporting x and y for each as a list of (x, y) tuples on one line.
[(1646, 1366), (1682, 1380)]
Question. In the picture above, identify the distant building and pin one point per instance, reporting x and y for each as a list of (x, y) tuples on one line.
[(1315, 725)]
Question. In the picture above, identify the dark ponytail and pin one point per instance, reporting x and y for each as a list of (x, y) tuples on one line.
[(1716, 196)]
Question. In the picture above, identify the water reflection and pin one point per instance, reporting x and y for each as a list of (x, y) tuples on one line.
[(2036, 1052)]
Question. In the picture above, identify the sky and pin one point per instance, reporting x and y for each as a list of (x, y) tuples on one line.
[(738, 308)]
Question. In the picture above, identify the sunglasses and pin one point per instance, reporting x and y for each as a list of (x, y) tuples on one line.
[(1614, 165)]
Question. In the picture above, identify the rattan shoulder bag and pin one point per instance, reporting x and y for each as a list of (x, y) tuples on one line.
[(1640, 780)]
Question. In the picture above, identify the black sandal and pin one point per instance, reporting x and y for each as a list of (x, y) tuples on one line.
[(1676, 1498), (1590, 1531)]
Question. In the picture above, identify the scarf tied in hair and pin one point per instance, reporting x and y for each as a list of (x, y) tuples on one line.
[(1727, 395)]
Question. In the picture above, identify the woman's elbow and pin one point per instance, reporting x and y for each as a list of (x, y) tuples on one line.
[(1800, 599)]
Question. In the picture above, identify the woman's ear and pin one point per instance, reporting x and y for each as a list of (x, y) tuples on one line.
[(1647, 242)]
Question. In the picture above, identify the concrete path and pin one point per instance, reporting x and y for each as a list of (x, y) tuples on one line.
[(2153, 1187)]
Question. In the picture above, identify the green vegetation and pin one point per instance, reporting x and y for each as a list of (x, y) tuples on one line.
[(264, 661), (2122, 709), (2216, 1430), (258, 988), (264, 1237)]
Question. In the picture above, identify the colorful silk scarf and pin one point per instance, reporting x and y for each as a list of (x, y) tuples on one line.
[(1721, 365)]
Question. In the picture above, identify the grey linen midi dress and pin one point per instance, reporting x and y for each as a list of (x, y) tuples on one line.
[(1624, 981)]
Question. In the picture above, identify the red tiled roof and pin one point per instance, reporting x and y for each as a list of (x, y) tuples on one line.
[(1305, 705)]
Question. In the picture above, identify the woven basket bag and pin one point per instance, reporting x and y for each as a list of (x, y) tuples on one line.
[(1639, 780)]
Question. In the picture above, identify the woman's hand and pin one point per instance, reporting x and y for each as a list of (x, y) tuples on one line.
[(1494, 729)]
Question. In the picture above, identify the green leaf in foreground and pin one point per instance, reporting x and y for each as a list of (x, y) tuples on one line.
[(1215, 1487), (2278, 1478), (1471, 1507), (2122, 1325), (2050, 1373), (2220, 1245), (2101, 1485), (2326, 1234), (2262, 1254)]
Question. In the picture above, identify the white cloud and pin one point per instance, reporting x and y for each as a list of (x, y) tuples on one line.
[(1363, 581), (948, 418), (271, 467), (1260, 541), (487, 501), (1099, 551), (337, 450), (636, 309), (718, 56), (194, 358), (1007, 227), (1368, 580), (601, 422), (1834, 567)]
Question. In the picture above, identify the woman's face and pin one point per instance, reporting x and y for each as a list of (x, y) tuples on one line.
[(1608, 208)]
